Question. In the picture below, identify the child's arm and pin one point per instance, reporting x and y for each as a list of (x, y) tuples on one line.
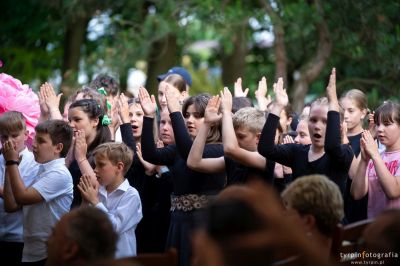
[(163, 156), (261, 95), (389, 182), (10, 205), (359, 186), (231, 145), (266, 147), (182, 138), (126, 127), (333, 136), (52, 100), (22, 195), (80, 151), (195, 159)]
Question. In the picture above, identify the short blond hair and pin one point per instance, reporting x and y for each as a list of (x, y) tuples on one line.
[(318, 196), (249, 117), (115, 152)]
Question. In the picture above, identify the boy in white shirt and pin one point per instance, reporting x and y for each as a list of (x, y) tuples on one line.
[(50, 195), (115, 196), (13, 128)]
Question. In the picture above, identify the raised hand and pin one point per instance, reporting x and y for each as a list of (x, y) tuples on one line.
[(226, 100), (148, 167), (288, 139), (211, 114), (80, 148), (9, 151), (331, 92), (172, 99), (261, 95), (369, 145), (238, 90), (148, 103), (51, 99), (281, 97), (123, 108), (89, 191)]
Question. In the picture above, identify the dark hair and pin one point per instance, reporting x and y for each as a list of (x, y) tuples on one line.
[(225, 221), (200, 103), (177, 81), (240, 102), (91, 229), (90, 93), (388, 112), (94, 110), (107, 82), (59, 132), (12, 121)]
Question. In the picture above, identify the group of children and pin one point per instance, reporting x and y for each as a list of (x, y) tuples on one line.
[(165, 164)]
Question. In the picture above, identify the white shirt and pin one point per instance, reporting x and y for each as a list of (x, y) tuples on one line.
[(124, 209), (54, 183), (11, 223)]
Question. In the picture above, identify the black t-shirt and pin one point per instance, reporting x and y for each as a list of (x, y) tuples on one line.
[(335, 163)]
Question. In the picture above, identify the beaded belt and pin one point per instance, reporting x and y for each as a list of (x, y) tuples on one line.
[(190, 202)]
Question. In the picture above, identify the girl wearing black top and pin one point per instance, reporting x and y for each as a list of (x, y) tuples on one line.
[(354, 105), (86, 118), (191, 190), (326, 155)]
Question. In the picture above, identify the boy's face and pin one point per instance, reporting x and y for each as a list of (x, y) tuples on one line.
[(246, 139), (106, 172), (17, 138), (43, 148)]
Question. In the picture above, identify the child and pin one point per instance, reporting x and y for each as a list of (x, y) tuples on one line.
[(240, 135), (378, 173), (13, 128), (192, 190), (354, 105), (325, 155), (50, 195), (115, 196), (86, 118)]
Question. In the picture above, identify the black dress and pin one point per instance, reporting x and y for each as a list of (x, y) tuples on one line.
[(188, 185)]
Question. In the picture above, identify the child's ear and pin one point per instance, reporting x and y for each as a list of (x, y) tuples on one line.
[(289, 121), (364, 113), (120, 166), (258, 135), (26, 135), (95, 121), (59, 147)]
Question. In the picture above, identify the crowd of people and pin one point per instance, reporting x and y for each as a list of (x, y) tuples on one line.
[(109, 175)]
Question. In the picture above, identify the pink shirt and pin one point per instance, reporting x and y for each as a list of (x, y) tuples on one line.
[(377, 199)]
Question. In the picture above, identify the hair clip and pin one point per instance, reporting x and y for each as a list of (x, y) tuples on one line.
[(102, 91), (108, 104), (106, 120)]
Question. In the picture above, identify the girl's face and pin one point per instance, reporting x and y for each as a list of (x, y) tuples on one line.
[(162, 100), (136, 118), (79, 120), (388, 133), (193, 120), (166, 132), (303, 135), (353, 115), (317, 124)]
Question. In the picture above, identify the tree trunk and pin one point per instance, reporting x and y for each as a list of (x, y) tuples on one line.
[(279, 43), (74, 39), (312, 69), (233, 64), (162, 56)]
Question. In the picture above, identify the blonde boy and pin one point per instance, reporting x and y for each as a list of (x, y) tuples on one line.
[(114, 195), (13, 128)]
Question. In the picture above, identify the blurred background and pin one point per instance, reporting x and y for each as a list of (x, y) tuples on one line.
[(69, 42)]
